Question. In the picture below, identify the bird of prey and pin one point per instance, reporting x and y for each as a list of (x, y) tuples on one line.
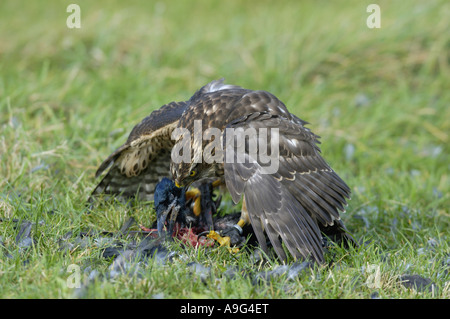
[(293, 205)]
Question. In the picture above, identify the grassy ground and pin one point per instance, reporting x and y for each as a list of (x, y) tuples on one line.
[(378, 97)]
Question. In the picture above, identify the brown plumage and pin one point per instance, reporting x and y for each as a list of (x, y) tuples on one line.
[(292, 205), (139, 164)]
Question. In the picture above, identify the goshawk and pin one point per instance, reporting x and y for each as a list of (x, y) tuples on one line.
[(293, 204)]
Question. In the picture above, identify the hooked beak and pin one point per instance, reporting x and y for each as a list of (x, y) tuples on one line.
[(185, 185)]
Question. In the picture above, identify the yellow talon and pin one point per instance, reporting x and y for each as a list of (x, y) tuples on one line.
[(192, 193), (197, 207), (223, 241), (195, 194)]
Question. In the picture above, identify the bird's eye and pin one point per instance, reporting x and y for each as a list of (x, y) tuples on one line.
[(192, 173)]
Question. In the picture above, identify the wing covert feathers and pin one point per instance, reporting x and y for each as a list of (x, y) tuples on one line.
[(291, 203)]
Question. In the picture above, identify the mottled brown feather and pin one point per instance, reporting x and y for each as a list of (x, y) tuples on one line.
[(293, 205), (144, 159)]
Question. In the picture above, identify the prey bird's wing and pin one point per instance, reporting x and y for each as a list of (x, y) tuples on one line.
[(290, 203), (139, 164)]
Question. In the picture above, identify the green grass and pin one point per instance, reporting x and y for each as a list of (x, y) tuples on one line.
[(378, 97)]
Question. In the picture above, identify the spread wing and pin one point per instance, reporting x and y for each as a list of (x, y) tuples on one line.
[(139, 164), (288, 204)]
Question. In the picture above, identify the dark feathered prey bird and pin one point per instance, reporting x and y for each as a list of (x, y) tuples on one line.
[(292, 204), (171, 206), (169, 200)]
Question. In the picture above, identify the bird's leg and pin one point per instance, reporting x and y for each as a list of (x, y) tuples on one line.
[(244, 220), (233, 235), (194, 194)]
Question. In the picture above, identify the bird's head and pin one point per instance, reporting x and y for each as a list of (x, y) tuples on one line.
[(187, 162), (185, 174)]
